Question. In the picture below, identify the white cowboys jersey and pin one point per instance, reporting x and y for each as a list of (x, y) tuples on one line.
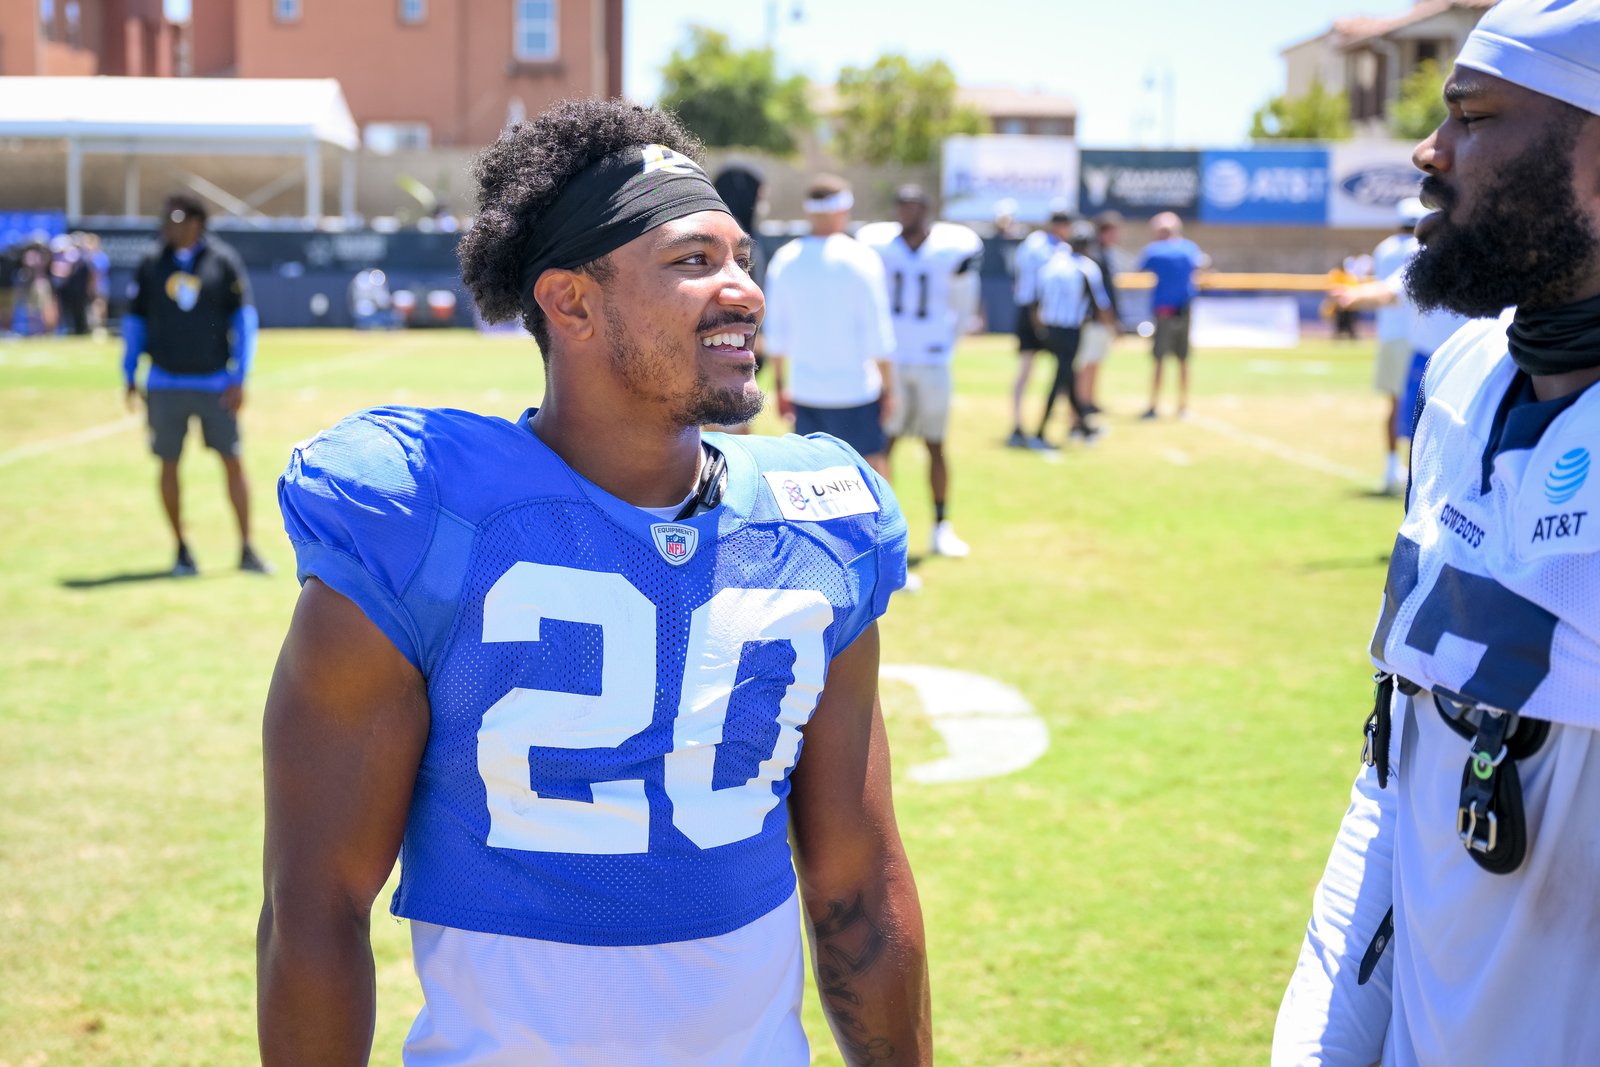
[(926, 322), (1493, 595)]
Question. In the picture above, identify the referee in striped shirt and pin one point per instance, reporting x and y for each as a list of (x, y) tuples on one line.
[(1071, 288)]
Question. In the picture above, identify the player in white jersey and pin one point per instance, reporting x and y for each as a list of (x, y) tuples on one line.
[(1407, 337), (932, 272), (565, 664), (1456, 922)]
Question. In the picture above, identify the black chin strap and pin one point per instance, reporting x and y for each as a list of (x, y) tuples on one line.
[(1555, 340), (713, 480)]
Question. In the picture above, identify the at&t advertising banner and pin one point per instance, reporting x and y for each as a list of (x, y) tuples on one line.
[(1139, 183), (1369, 179), (1272, 186), (1037, 173)]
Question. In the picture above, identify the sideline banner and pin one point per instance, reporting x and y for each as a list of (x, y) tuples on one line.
[(1140, 183), (1244, 322), (1039, 173), (1369, 179), (1272, 186)]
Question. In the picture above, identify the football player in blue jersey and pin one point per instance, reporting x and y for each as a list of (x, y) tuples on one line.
[(1455, 922), (563, 666)]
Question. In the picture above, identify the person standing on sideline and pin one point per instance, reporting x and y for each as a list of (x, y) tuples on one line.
[(190, 310), (932, 271), (1455, 922), (829, 335), (562, 665), (1095, 344), (1034, 252), (1394, 324), (1173, 259), (1071, 293)]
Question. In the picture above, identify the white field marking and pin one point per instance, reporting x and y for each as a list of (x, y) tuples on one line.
[(1274, 366), (70, 440), (1051, 455), (988, 727), (1288, 453), (1177, 458), (108, 429)]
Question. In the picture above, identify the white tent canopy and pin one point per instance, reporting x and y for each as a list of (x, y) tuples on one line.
[(215, 116)]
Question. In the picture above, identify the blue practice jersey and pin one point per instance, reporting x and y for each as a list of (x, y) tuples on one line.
[(617, 701)]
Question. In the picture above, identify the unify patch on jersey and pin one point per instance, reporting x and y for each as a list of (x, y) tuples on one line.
[(675, 541), (813, 496)]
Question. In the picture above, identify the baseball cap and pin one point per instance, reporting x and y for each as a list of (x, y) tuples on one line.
[(910, 194)]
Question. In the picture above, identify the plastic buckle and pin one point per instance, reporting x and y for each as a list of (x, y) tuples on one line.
[(1467, 822)]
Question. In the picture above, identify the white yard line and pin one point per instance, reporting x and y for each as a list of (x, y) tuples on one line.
[(71, 440), (1287, 453), (128, 422)]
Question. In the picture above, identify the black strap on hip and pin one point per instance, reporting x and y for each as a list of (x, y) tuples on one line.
[(1489, 819)]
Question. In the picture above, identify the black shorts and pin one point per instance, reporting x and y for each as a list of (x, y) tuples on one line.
[(169, 412), (1028, 339), (859, 427)]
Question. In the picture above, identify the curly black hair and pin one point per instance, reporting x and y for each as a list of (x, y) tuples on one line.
[(521, 173)]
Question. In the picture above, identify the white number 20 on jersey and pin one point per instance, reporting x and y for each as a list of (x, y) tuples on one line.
[(618, 819)]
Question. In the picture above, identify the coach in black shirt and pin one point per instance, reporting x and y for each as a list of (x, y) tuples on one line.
[(191, 312)]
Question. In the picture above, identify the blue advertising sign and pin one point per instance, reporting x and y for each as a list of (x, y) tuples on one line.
[(19, 226), (1265, 186)]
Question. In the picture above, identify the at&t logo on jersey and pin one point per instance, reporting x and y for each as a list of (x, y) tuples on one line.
[(675, 542), (1567, 476), (1563, 483), (812, 496)]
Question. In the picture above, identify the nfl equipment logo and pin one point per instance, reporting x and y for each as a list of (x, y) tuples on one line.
[(675, 542)]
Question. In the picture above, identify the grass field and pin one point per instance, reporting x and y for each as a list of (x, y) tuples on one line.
[(1186, 605)]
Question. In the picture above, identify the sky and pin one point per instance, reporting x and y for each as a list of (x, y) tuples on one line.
[(1114, 57)]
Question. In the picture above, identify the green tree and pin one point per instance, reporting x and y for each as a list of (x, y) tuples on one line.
[(730, 97), (898, 112), (1419, 108), (1317, 116)]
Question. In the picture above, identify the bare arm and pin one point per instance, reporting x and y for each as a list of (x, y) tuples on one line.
[(346, 722), (869, 952)]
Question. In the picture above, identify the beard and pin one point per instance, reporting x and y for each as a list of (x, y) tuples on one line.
[(648, 370), (1527, 241)]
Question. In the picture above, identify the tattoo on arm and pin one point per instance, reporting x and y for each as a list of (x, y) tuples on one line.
[(848, 945)]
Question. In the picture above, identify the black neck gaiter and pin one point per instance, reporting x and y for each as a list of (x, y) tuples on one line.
[(1556, 340)]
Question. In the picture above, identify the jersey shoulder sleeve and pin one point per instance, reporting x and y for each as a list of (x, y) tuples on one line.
[(823, 487), (876, 235), (961, 242), (360, 506), (1467, 356)]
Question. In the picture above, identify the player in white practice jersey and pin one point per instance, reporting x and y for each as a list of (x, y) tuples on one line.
[(1456, 920), (932, 273)]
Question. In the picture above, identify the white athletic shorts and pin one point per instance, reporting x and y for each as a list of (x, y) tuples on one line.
[(1095, 345), (1392, 367), (921, 401)]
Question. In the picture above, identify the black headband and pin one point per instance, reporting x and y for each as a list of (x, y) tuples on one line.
[(609, 203)]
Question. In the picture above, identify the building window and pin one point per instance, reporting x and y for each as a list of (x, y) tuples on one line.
[(534, 31), (47, 19), (286, 10), (384, 138), (413, 12)]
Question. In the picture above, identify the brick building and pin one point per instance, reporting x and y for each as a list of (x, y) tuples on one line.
[(416, 73), (421, 73)]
